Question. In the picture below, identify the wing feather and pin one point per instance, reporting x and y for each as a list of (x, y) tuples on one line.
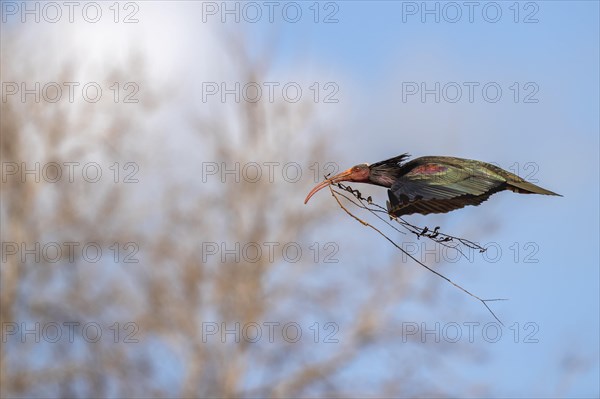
[(439, 188)]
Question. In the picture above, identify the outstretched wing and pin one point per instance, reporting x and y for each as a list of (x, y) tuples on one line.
[(433, 187)]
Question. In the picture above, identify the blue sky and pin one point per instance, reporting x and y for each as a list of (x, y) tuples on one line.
[(371, 54), (371, 51)]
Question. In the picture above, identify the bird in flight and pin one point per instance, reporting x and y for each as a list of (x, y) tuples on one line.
[(433, 184)]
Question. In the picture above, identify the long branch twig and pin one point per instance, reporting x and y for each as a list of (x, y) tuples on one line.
[(435, 235), (335, 194)]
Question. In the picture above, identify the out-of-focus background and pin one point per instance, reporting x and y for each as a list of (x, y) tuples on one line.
[(155, 159)]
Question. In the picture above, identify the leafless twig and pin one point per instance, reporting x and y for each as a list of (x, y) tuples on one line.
[(444, 239), (414, 229)]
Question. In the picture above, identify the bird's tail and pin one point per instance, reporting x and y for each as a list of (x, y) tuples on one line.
[(524, 187)]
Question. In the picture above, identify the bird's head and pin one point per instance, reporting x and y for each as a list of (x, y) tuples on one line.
[(358, 173)]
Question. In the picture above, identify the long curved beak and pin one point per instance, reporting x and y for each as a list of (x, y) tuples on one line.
[(344, 176)]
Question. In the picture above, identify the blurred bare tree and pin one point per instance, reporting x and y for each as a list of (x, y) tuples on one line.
[(175, 294)]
